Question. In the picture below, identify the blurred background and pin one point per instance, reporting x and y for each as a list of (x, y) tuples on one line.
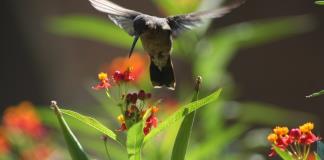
[(266, 55)]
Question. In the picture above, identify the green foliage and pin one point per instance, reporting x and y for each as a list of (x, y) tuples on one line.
[(215, 144), (92, 123), (284, 155), (171, 7), (266, 114), (319, 2), (317, 157), (315, 94), (217, 50), (182, 139), (90, 27), (75, 148), (181, 113), (134, 143)]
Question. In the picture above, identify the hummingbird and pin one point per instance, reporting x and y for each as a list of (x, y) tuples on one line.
[(157, 33)]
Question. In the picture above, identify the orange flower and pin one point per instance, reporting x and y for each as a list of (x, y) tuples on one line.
[(272, 138), (281, 131), (307, 127), (23, 118), (138, 62)]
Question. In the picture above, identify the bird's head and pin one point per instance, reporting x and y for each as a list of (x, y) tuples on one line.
[(141, 24)]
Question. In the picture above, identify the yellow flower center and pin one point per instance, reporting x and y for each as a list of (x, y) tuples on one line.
[(281, 131), (102, 76), (272, 138), (155, 109), (307, 127), (121, 118)]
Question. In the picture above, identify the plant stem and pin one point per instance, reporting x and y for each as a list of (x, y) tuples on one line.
[(107, 152)]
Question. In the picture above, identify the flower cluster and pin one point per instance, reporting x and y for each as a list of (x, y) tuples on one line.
[(296, 141), (22, 133), (135, 109), (118, 78), (103, 82), (133, 105), (23, 118), (139, 62)]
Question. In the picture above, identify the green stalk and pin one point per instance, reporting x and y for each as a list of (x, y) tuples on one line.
[(106, 148), (75, 149), (183, 136)]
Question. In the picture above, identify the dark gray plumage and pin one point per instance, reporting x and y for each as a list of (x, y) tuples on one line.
[(156, 34)]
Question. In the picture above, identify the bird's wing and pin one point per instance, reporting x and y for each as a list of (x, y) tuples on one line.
[(180, 23), (121, 16)]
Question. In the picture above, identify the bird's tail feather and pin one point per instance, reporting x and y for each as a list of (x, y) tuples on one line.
[(163, 77)]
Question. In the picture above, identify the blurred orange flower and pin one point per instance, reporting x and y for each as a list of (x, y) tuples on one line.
[(137, 61), (40, 152), (4, 145), (23, 118)]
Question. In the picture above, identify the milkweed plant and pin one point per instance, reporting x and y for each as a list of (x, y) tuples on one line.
[(137, 117)]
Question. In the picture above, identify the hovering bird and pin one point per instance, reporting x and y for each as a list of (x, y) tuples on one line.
[(157, 33)]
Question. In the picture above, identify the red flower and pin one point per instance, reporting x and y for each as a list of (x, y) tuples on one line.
[(122, 127), (138, 61), (308, 138), (272, 153), (126, 76), (103, 82), (142, 95), (151, 121), (295, 133)]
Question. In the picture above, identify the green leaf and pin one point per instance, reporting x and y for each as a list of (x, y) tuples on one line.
[(215, 143), (316, 94), (181, 113), (320, 149), (134, 142), (319, 2), (317, 157), (92, 123), (283, 154), (182, 139), (75, 148), (90, 27)]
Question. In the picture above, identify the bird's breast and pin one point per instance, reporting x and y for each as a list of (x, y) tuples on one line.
[(156, 41)]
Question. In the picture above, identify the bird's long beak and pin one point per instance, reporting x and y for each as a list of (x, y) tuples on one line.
[(133, 45)]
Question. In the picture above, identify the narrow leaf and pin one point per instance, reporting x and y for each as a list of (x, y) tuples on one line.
[(92, 123), (134, 143), (75, 149), (316, 94), (93, 28), (182, 139), (320, 2), (320, 149), (284, 155), (182, 112)]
